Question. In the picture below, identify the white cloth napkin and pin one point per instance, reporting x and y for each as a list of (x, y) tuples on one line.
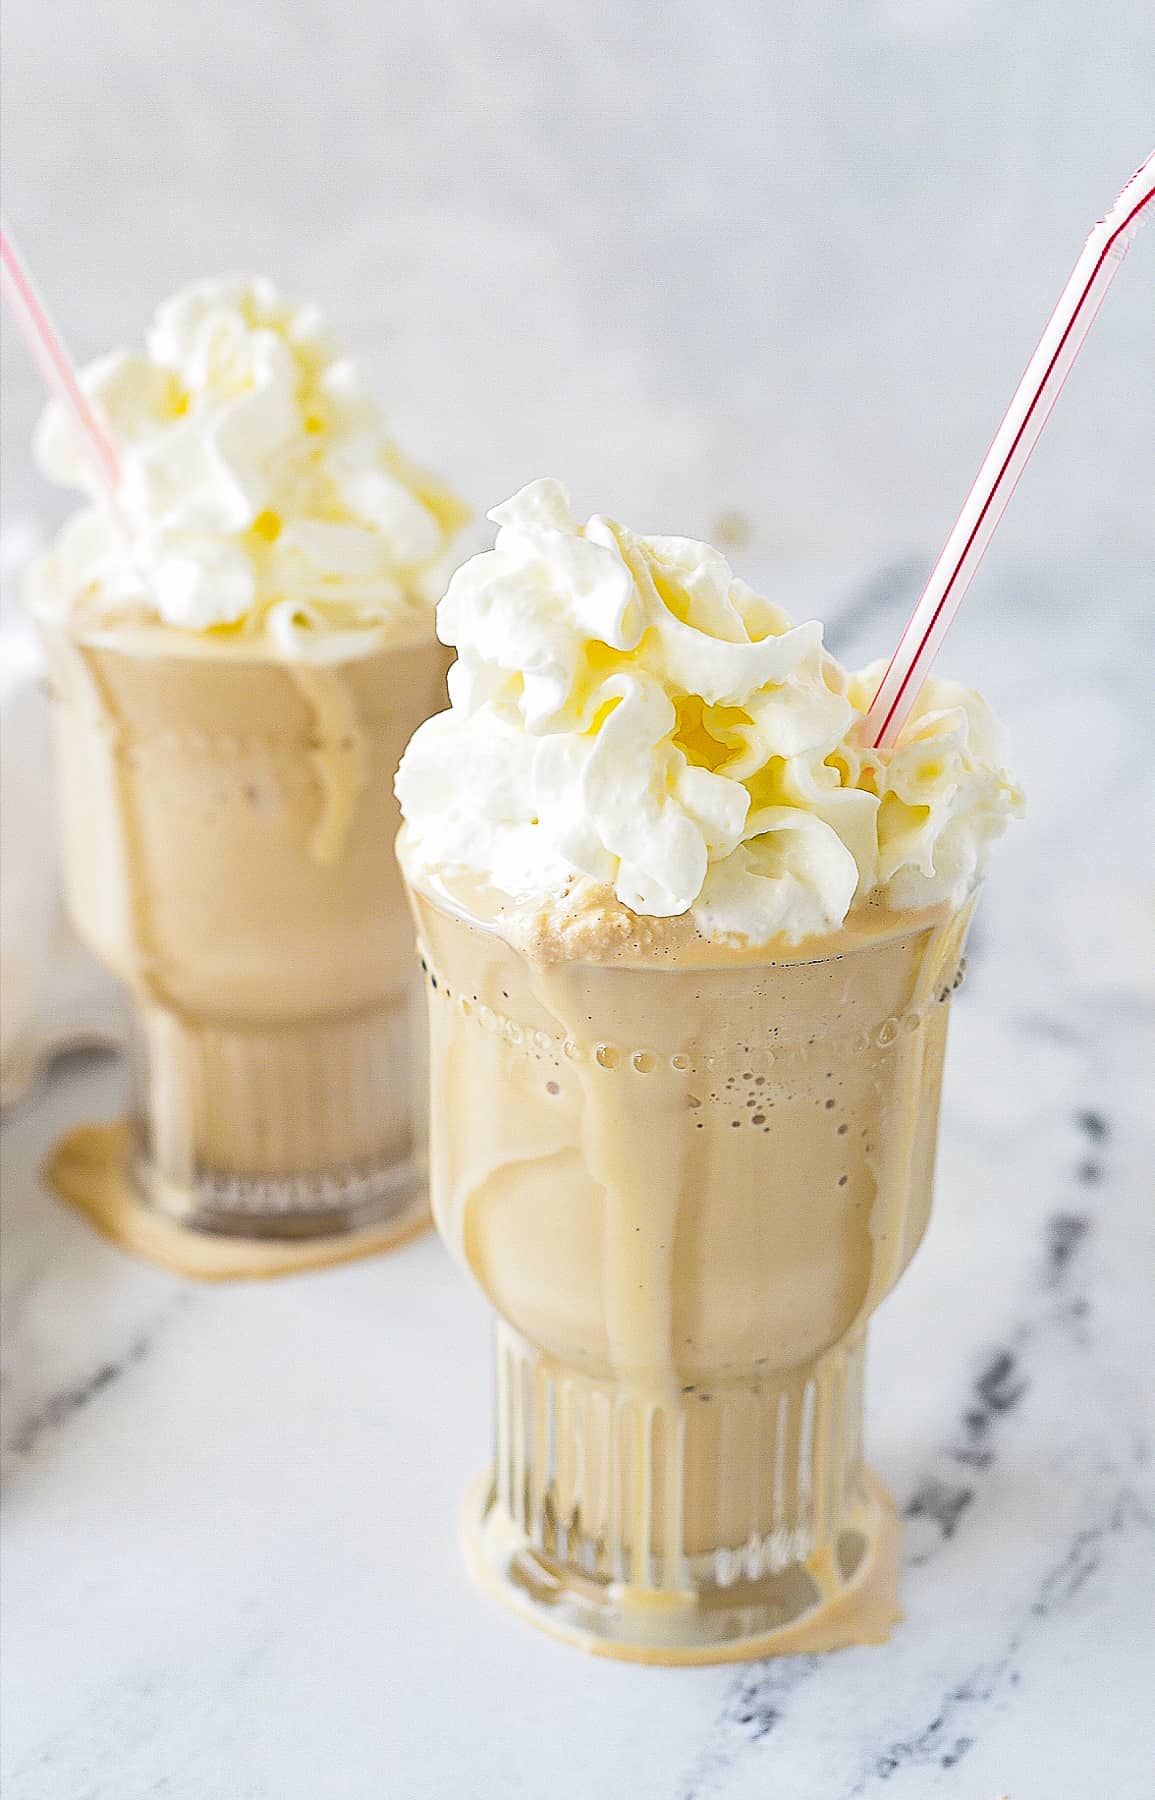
[(53, 995)]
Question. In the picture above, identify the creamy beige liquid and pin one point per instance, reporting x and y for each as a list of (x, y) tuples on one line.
[(685, 1189), (227, 829)]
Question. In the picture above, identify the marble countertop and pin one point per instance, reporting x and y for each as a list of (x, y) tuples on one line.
[(565, 243), (229, 1561)]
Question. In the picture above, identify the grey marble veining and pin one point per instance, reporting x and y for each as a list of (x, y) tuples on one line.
[(584, 239), (228, 1514)]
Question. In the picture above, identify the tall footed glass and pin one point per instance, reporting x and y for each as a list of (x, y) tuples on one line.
[(227, 819), (686, 1184)]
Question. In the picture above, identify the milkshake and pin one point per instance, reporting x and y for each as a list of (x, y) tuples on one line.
[(236, 662), (689, 950)]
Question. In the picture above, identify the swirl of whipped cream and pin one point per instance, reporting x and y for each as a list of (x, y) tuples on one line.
[(259, 487), (625, 709)]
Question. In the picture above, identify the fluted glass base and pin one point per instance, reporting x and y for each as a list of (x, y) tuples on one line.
[(289, 1132), (715, 1523)]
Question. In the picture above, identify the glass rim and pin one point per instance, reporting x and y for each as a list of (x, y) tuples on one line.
[(717, 956)]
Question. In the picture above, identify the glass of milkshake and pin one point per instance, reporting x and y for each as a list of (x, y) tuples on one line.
[(689, 949), (236, 662)]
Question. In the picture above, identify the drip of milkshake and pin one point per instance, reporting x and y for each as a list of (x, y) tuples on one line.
[(237, 660), (689, 949)]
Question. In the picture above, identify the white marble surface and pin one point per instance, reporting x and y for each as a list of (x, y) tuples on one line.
[(582, 238), (229, 1561)]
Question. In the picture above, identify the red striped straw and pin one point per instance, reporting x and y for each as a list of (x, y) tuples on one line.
[(1007, 457), (57, 368)]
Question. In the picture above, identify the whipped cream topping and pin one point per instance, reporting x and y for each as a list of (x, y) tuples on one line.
[(258, 485), (626, 709)]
